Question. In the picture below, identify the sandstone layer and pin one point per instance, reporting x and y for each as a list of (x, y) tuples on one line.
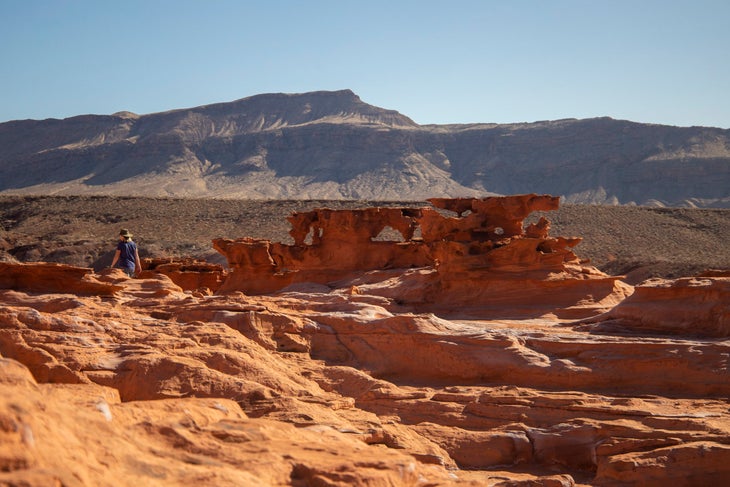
[(494, 357)]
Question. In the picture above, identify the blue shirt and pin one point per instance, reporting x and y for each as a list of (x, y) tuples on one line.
[(127, 251)]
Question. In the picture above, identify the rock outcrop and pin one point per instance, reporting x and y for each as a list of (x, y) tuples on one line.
[(478, 259), (189, 274), (146, 383), (692, 306), (49, 277)]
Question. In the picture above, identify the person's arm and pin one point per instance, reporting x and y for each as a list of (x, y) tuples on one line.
[(137, 262), (116, 257)]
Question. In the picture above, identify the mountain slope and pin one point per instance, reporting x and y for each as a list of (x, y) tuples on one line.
[(326, 145), (597, 160)]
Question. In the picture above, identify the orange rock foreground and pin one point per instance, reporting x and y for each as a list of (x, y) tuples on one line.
[(465, 350)]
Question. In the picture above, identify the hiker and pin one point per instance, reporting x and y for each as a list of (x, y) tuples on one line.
[(126, 257)]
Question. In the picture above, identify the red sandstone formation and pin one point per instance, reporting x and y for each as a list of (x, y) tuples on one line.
[(378, 377), (189, 274), (48, 277), (479, 259), (698, 306)]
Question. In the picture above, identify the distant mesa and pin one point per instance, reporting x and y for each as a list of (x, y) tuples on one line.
[(125, 114), (332, 145)]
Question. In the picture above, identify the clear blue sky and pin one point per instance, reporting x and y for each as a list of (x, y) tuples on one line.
[(448, 61)]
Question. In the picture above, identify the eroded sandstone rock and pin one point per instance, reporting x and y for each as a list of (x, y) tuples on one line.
[(482, 256), (189, 274), (48, 277), (693, 306), (370, 375)]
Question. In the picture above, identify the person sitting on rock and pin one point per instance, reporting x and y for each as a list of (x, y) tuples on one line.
[(127, 257)]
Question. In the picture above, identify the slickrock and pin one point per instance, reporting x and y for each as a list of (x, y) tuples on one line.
[(371, 374), (49, 277), (698, 306)]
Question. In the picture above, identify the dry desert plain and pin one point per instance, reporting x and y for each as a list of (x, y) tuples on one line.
[(641, 241)]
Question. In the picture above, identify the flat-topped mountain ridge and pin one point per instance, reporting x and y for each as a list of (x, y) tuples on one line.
[(332, 145)]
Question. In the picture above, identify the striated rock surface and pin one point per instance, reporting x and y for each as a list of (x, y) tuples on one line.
[(370, 379), (698, 306), (48, 277)]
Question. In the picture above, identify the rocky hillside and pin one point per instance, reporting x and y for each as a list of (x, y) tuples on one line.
[(331, 145)]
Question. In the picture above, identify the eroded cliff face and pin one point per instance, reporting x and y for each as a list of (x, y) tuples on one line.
[(379, 376)]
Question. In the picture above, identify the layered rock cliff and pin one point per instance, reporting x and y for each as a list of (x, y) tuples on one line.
[(331, 145), (371, 378)]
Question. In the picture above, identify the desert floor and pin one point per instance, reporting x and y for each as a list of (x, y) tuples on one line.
[(640, 242)]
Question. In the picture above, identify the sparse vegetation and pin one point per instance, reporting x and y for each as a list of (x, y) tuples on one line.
[(644, 242)]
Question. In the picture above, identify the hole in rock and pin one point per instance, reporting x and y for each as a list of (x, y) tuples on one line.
[(309, 239), (388, 234)]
